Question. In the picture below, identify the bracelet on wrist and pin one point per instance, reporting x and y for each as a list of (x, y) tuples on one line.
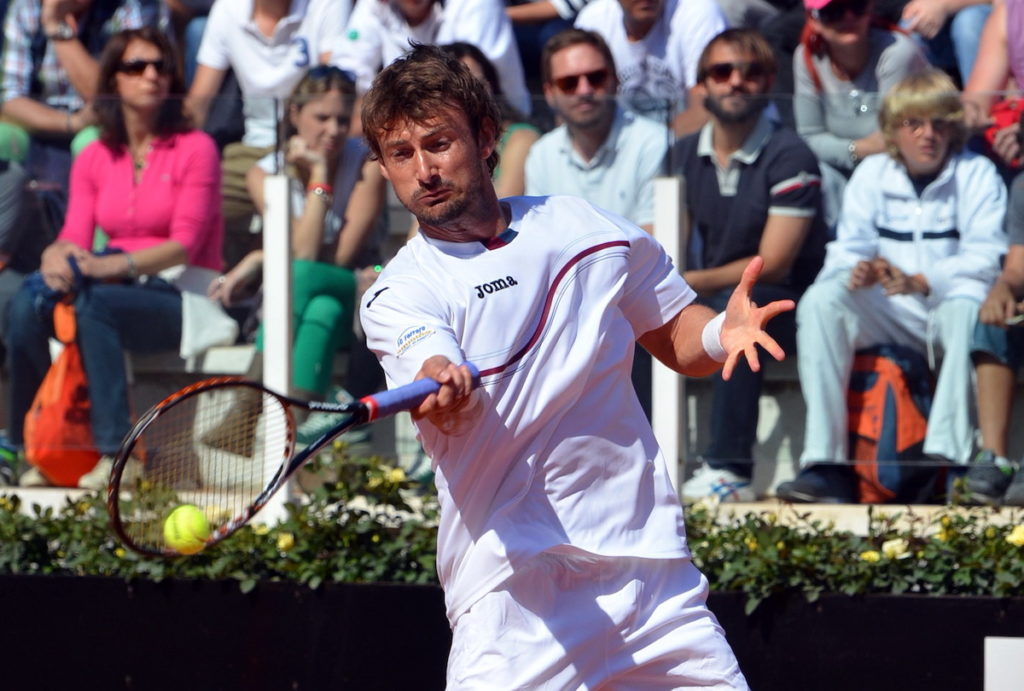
[(133, 270), (323, 191)]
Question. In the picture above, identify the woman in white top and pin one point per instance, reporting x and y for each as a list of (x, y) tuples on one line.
[(337, 196)]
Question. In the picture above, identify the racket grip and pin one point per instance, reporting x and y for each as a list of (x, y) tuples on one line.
[(406, 397)]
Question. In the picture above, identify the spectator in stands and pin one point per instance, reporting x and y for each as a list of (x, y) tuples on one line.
[(517, 134), (997, 351), (337, 196), (845, 64), (1000, 60), (601, 151), (152, 183), (379, 32), (656, 47), (50, 68), (753, 188), (950, 31), (269, 44), (534, 22), (919, 243), (189, 19)]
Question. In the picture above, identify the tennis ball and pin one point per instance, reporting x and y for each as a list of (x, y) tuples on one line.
[(186, 529)]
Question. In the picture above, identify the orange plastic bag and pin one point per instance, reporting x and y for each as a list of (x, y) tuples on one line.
[(58, 434)]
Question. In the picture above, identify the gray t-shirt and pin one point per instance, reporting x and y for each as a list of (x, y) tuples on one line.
[(844, 110)]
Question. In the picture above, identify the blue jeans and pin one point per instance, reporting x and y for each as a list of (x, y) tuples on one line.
[(112, 318), (734, 403), (193, 37), (956, 44)]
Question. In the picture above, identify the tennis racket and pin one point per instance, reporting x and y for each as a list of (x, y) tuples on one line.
[(224, 446)]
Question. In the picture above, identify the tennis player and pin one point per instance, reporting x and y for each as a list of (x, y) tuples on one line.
[(561, 546)]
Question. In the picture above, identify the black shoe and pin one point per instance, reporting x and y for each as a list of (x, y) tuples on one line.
[(986, 480), (1015, 492), (821, 483)]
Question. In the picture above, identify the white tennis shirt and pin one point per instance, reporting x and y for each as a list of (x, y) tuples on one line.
[(557, 451)]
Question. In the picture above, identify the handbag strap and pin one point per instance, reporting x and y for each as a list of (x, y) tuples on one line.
[(64, 324)]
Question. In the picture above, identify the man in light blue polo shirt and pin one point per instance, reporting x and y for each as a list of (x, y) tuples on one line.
[(601, 152)]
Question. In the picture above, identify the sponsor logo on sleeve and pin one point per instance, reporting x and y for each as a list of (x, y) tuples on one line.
[(411, 337)]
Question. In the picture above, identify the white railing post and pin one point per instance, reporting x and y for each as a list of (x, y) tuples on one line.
[(277, 310), (668, 392)]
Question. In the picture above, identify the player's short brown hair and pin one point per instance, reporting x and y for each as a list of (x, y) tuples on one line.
[(417, 87)]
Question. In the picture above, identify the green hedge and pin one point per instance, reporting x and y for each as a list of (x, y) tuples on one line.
[(358, 526)]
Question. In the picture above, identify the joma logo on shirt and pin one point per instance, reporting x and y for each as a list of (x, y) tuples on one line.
[(494, 286)]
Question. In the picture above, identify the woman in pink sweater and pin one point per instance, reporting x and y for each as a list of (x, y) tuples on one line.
[(152, 183)]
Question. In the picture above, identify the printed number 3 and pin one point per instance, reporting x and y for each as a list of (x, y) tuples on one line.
[(303, 59)]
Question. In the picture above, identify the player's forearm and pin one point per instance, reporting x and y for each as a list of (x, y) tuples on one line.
[(679, 343)]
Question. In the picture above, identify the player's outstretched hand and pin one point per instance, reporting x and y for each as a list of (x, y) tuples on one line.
[(444, 408), (743, 329)]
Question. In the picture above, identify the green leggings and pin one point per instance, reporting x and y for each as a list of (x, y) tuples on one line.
[(323, 304)]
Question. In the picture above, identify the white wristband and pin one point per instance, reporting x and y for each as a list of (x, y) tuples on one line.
[(711, 338)]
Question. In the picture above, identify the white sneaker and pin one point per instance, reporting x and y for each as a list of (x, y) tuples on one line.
[(723, 485), (99, 476), (33, 478)]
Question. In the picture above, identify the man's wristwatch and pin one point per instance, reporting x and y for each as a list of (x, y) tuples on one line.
[(63, 32)]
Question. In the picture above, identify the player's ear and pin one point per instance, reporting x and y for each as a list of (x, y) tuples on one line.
[(383, 170), (487, 138)]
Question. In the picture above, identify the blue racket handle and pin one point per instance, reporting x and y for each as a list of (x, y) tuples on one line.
[(407, 397)]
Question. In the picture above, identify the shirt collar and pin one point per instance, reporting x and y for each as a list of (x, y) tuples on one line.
[(752, 145), (609, 144)]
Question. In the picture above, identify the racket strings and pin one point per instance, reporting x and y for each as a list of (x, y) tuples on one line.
[(217, 449)]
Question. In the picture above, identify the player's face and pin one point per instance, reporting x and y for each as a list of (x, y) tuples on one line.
[(143, 78), (923, 143), (735, 84), (582, 87), (642, 11), (323, 123), (438, 168)]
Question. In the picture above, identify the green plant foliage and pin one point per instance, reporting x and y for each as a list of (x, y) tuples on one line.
[(354, 524), (362, 520), (954, 552)]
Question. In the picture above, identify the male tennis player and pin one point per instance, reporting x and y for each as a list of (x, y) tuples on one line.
[(561, 546)]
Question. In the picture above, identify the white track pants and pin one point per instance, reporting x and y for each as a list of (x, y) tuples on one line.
[(833, 322)]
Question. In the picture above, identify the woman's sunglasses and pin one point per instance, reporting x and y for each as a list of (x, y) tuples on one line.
[(137, 67), (596, 79), (835, 11), (721, 72)]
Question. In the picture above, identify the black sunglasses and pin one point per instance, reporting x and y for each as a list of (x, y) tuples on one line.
[(721, 72), (835, 11), (596, 79), (137, 67)]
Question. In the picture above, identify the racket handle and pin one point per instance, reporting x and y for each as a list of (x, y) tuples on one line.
[(406, 397)]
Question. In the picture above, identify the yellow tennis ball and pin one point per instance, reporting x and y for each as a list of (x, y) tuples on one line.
[(186, 529)]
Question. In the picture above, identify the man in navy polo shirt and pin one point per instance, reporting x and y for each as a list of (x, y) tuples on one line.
[(753, 188)]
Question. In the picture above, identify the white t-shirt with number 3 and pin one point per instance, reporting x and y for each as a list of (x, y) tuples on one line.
[(556, 451), (268, 68)]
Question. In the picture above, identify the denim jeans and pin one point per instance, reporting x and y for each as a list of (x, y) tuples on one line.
[(112, 318), (734, 403)]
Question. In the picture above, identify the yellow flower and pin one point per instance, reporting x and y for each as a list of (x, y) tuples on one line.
[(375, 538), (943, 535), (338, 444), (285, 541), (119, 552), (1016, 536), (896, 548), (374, 482), (751, 543), (261, 528), (780, 545), (6, 504), (946, 521), (991, 532), (870, 555), (771, 517), (396, 476)]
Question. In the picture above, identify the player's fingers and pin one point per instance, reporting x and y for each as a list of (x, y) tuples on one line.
[(772, 346), (730, 365), (750, 352), (774, 309), (751, 273)]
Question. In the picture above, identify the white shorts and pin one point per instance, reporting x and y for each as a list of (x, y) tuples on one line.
[(573, 621)]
